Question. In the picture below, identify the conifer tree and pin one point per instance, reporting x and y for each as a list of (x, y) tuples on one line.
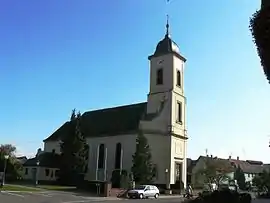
[(142, 169), (73, 150)]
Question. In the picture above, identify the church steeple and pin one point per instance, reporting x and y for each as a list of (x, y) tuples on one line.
[(167, 27), (167, 45)]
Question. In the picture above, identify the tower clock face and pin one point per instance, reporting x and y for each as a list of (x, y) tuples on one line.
[(160, 62)]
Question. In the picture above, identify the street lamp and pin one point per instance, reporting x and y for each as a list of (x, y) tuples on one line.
[(37, 172), (5, 167), (166, 179)]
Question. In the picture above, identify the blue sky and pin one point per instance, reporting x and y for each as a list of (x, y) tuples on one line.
[(60, 55)]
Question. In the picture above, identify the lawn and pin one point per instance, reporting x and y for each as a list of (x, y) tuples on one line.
[(56, 187), (20, 188)]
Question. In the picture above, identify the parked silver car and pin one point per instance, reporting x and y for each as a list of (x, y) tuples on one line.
[(144, 191)]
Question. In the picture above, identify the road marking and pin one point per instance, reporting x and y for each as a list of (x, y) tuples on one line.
[(14, 194), (77, 201)]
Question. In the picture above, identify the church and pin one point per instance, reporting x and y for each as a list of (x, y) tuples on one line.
[(111, 133)]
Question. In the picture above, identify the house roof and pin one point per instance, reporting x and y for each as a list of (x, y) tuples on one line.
[(45, 159), (223, 162), (248, 166), (22, 159), (110, 121)]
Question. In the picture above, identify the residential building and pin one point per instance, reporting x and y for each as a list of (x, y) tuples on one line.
[(250, 168), (44, 167), (111, 133), (199, 167)]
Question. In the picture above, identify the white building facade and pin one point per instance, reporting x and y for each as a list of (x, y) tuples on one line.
[(162, 119)]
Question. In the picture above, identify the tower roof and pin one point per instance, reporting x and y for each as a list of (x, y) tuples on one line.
[(166, 46)]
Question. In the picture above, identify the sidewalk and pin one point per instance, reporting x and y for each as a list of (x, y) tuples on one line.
[(170, 196)]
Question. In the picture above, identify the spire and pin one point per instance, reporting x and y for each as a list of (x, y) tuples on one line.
[(167, 27)]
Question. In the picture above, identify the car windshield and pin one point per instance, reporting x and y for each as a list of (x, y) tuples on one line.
[(141, 187)]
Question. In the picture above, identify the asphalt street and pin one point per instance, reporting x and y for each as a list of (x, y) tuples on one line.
[(59, 197), (62, 197)]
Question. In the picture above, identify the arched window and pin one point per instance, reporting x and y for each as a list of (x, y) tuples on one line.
[(178, 78), (160, 76), (101, 156), (118, 156)]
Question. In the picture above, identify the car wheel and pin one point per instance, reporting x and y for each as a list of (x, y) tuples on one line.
[(141, 196), (156, 196)]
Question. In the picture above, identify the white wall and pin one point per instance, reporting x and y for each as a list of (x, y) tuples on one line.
[(163, 155), (128, 143), (249, 177), (49, 146), (28, 173)]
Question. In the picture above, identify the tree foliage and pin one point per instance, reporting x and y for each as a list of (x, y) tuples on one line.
[(13, 167), (73, 151), (240, 177), (260, 29), (262, 181), (215, 171), (143, 168)]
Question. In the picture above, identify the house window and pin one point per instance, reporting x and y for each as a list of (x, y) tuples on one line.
[(26, 171), (101, 156), (47, 172), (178, 80), (160, 76), (179, 112), (118, 156)]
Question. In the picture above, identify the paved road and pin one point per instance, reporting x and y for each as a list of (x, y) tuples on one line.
[(64, 197), (61, 197)]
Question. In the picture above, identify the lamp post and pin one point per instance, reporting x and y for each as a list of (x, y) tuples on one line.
[(5, 167), (36, 182), (166, 179)]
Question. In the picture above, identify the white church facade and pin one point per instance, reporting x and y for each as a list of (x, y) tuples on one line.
[(111, 133)]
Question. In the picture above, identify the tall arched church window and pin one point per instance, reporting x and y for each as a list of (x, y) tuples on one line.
[(159, 76), (118, 156), (178, 78), (101, 156)]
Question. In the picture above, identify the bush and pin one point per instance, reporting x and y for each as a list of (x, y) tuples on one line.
[(223, 196), (119, 179)]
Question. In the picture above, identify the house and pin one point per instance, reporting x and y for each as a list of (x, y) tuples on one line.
[(111, 132), (44, 167), (201, 164), (249, 167)]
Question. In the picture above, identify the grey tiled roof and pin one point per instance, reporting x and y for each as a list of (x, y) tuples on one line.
[(109, 121), (249, 166)]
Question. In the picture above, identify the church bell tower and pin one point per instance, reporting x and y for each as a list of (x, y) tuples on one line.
[(166, 107), (167, 83)]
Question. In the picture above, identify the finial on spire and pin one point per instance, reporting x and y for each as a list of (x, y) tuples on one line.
[(167, 26)]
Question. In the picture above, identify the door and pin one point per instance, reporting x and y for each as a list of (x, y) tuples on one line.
[(147, 191), (178, 171)]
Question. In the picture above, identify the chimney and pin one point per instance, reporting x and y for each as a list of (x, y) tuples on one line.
[(230, 157), (237, 158), (211, 156)]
